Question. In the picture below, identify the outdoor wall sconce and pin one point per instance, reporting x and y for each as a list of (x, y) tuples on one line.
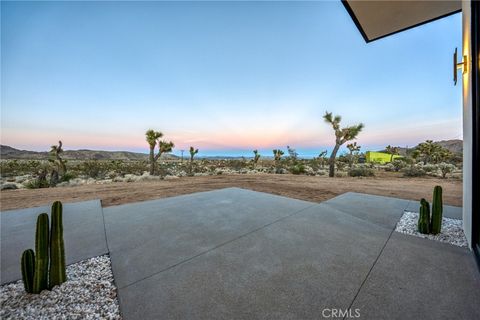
[(459, 65)]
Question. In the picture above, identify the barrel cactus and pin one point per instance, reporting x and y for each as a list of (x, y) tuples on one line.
[(424, 217), (437, 211)]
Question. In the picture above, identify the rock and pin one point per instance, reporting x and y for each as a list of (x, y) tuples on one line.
[(169, 177), (8, 186), (452, 229)]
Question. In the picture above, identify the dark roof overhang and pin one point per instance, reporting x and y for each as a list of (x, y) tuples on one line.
[(379, 19)]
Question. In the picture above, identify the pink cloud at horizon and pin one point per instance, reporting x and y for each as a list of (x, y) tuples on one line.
[(403, 134)]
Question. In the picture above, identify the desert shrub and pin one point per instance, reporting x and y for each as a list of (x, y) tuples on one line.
[(10, 168), (430, 168), (361, 171), (40, 180), (297, 169), (94, 168), (413, 171), (446, 168), (36, 184), (398, 164), (389, 167), (321, 172), (314, 164), (237, 164), (371, 165), (68, 176), (340, 174), (340, 165)]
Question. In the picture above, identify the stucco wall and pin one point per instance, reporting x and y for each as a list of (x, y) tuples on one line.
[(467, 123)]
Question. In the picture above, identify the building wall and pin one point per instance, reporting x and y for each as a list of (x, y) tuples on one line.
[(467, 123)]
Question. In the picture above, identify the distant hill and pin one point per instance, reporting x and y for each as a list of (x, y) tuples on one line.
[(7, 152), (455, 146)]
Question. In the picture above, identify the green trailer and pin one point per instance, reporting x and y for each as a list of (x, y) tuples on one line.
[(379, 157)]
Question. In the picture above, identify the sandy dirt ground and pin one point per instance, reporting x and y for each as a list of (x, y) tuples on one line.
[(308, 188)]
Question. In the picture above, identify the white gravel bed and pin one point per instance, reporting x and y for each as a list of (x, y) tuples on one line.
[(89, 293), (452, 231)]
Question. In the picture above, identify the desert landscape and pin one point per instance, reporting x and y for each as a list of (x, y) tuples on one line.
[(310, 188), (37, 178), (239, 160)]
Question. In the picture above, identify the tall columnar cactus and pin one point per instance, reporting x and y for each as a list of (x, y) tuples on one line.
[(57, 273), (424, 217), (28, 269), (437, 210), (40, 277)]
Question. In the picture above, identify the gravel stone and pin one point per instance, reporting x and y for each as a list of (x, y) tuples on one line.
[(452, 230), (89, 293)]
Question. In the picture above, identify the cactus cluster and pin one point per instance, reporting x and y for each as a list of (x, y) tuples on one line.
[(431, 223), (45, 268)]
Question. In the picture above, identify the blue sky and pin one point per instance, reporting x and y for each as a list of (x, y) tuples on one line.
[(226, 77)]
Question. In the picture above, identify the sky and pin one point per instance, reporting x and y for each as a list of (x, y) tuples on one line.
[(225, 77)]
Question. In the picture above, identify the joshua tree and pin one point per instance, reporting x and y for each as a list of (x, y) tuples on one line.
[(277, 155), (55, 153), (321, 157), (431, 152), (426, 150), (292, 154), (342, 135), (193, 152), (256, 157), (152, 138), (55, 158), (352, 147), (165, 147), (392, 150)]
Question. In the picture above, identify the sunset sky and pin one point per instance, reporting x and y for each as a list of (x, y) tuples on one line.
[(226, 77)]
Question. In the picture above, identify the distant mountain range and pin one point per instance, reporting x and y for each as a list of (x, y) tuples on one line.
[(7, 152), (455, 146)]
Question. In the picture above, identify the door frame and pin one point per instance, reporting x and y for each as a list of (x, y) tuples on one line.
[(475, 34)]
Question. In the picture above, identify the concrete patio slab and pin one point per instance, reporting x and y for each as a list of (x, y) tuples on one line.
[(84, 234), (417, 278), (292, 269), (147, 237), (448, 211), (235, 253), (384, 211)]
